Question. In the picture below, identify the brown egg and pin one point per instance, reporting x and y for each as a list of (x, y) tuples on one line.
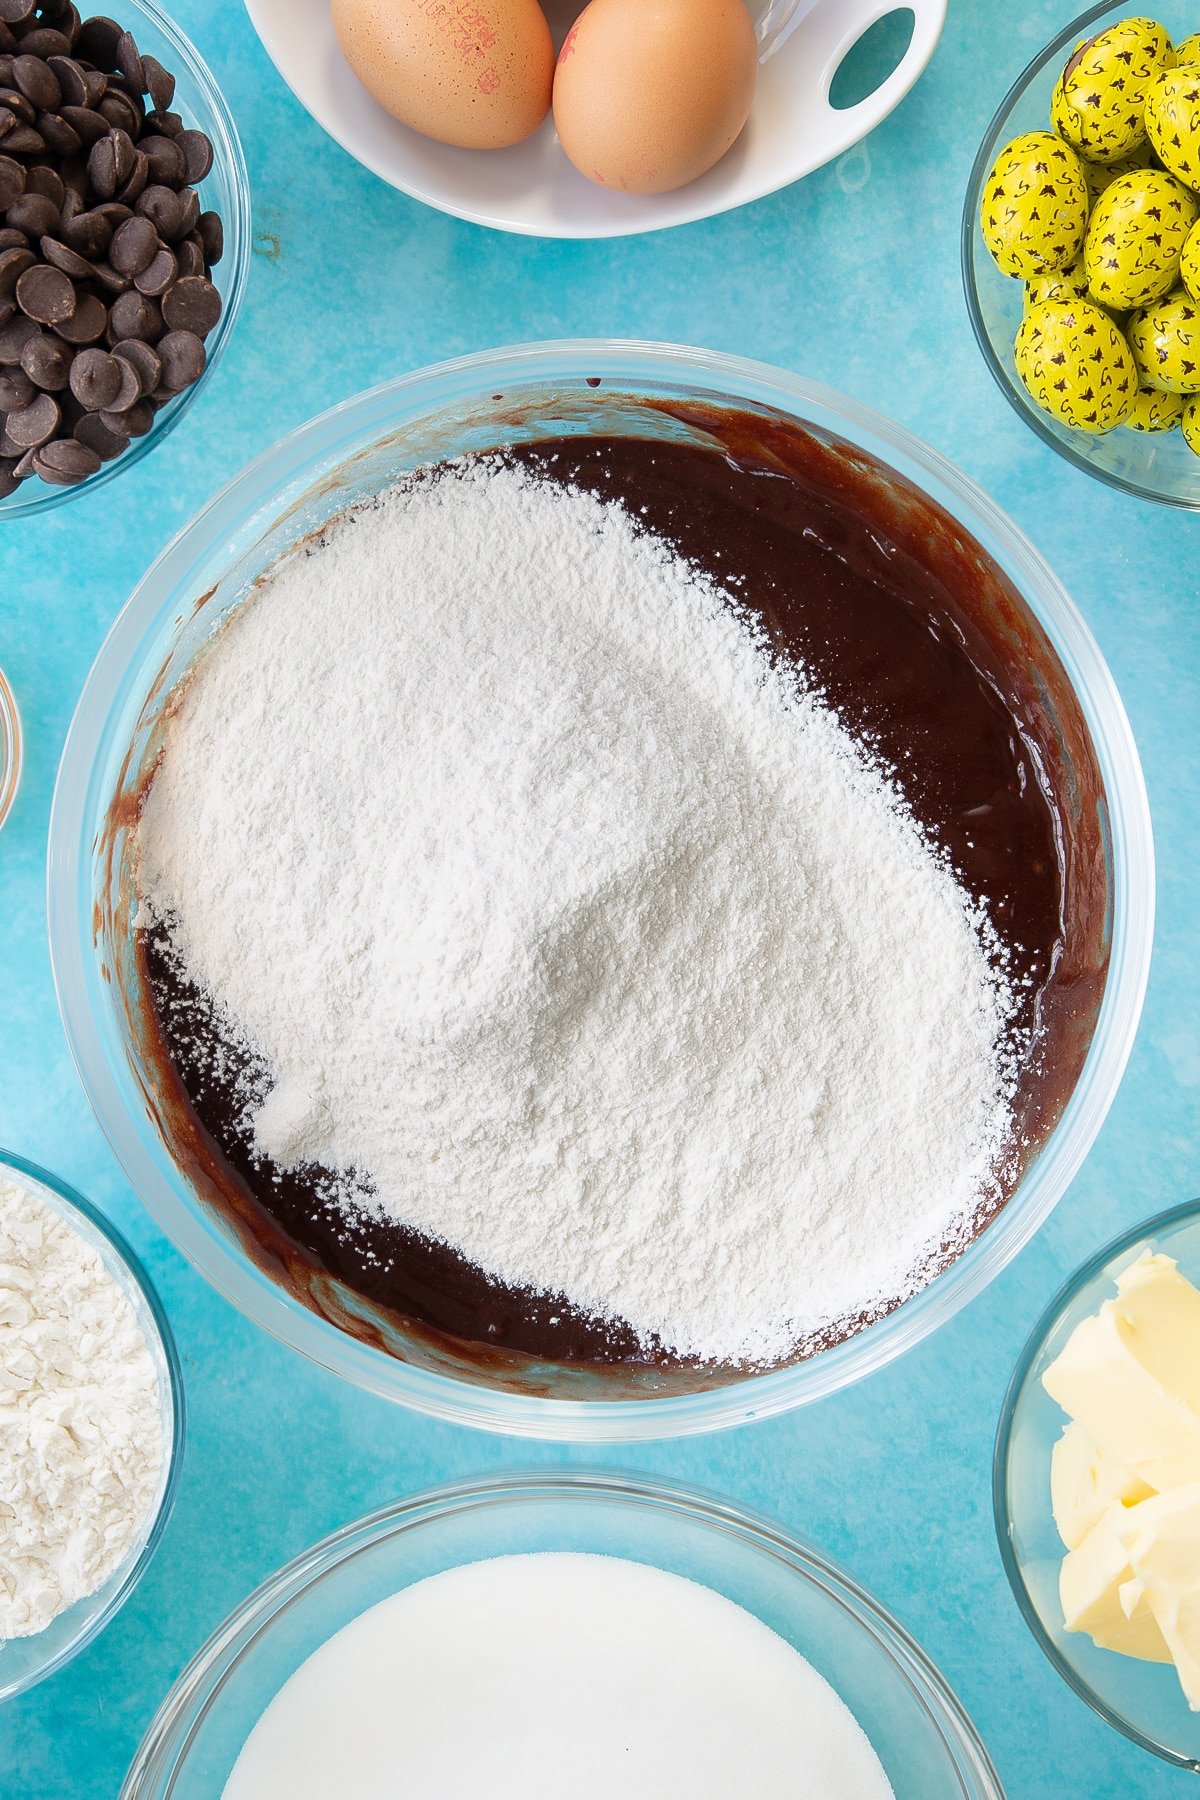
[(650, 93), (472, 72)]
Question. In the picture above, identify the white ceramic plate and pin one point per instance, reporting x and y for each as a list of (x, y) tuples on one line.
[(532, 188)]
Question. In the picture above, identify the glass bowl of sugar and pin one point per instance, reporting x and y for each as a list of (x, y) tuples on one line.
[(78, 1592), (654, 407), (877, 1704)]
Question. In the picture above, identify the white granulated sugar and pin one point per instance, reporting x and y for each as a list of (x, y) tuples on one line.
[(574, 925), (529, 1677), (81, 1435)]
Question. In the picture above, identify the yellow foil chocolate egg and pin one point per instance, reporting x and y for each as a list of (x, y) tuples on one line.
[(1099, 102), (1189, 262), (1173, 121), (1152, 410), (648, 94), (1076, 364), (1187, 50), (1070, 283), (1189, 419), (1165, 340), (1135, 235), (476, 74), (1034, 208), (1098, 176)]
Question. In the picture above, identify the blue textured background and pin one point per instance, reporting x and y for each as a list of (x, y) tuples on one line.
[(850, 277)]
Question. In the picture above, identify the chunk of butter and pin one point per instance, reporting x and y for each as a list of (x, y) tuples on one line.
[(1090, 1585), (1127, 1373), (1161, 1538), (1084, 1483), (1125, 1475)]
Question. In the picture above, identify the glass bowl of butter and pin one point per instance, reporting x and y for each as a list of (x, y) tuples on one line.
[(1096, 1484)]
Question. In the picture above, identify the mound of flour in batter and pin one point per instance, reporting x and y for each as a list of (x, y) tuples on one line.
[(575, 930)]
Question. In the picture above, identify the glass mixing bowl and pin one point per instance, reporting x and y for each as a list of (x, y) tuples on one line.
[(921, 1734), (225, 189), (1155, 465), (26, 1660), (350, 453), (1144, 1700)]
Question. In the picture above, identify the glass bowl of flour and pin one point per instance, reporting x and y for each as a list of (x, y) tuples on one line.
[(449, 1574), (90, 1515), (504, 1037)]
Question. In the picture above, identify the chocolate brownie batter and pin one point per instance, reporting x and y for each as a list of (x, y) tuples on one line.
[(926, 651)]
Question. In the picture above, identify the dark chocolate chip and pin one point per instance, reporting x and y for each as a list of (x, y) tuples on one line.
[(182, 356), (160, 85), (45, 42), (110, 163), (35, 423), (115, 211), (23, 110), (189, 214), (134, 246), (212, 237), (97, 380), (135, 421), (24, 467), (14, 335), (130, 63), (87, 323), (131, 191), (144, 359), (42, 179), (8, 307), (61, 256), (89, 127), (10, 481), (46, 294), (121, 111), (111, 279), (16, 389), (71, 83), (97, 41), (192, 305), (168, 123), (190, 255), (61, 137), (96, 82), (33, 214), (47, 362), (134, 316), (65, 462), (13, 264), (159, 275), (23, 140), (90, 234), (37, 81), (12, 181), (12, 239), (92, 431), (198, 154), (15, 12), (166, 159), (162, 207)]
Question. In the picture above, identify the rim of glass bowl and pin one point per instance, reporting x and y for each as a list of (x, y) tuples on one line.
[(11, 747), (73, 1201), (227, 155), (1008, 385), (231, 521), (165, 1746), (1070, 1290)]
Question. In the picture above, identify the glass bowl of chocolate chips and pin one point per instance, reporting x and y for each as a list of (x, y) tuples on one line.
[(124, 241)]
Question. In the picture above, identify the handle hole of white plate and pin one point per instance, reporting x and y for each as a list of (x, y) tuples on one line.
[(872, 58)]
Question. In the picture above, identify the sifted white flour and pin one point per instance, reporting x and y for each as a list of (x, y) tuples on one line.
[(578, 927), (81, 1439)]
